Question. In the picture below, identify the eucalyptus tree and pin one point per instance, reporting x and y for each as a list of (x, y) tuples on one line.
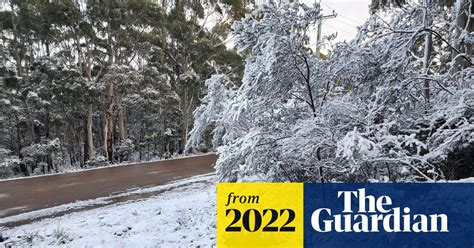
[(88, 73), (193, 54)]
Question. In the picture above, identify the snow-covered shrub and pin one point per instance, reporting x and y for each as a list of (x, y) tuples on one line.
[(8, 164), (451, 134), (61, 236), (37, 157), (98, 161), (409, 114), (124, 150), (391, 105), (275, 92), (4, 153), (209, 113)]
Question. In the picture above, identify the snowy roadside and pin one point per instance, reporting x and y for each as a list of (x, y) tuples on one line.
[(181, 217), (74, 170)]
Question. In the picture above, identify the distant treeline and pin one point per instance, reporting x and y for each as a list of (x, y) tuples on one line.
[(95, 82)]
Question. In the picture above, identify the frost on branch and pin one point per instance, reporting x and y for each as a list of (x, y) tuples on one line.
[(209, 113), (394, 104)]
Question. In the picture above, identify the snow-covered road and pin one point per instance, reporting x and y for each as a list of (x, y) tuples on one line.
[(181, 217)]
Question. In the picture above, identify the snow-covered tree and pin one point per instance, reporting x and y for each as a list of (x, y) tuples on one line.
[(394, 104), (276, 90), (407, 90), (210, 113), (115, 79)]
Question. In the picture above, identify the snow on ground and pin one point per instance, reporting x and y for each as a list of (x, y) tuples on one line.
[(466, 180), (76, 169), (181, 217), (78, 205)]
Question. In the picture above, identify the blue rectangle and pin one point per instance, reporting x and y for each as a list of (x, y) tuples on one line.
[(433, 207)]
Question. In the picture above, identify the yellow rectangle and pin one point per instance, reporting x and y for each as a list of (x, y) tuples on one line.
[(259, 215)]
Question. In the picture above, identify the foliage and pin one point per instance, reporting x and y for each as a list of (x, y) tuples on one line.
[(113, 79), (394, 104)]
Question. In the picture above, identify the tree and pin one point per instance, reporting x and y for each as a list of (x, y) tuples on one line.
[(390, 105), (104, 80), (194, 54), (220, 91), (277, 85)]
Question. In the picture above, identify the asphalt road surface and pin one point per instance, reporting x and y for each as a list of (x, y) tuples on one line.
[(28, 194)]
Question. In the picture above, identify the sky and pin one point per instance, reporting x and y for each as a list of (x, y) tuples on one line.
[(350, 14)]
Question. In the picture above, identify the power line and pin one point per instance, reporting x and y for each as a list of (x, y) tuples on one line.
[(335, 29), (339, 15), (342, 30), (350, 19), (343, 16), (348, 24)]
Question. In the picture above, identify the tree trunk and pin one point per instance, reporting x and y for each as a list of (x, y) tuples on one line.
[(89, 151), (141, 135), (123, 129), (186, 110), (80, 140), (85, 145), (18, 137), (31, 127), (49, 158), (15, 38), (465, 10), (79, 53), (90, 140), (426, 66), (427, 52), (308, 86), (48, 52), (109, 122)]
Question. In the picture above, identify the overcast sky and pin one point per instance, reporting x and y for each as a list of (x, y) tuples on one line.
[(350, 14)]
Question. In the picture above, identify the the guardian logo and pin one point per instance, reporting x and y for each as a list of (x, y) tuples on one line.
[(375, 215)]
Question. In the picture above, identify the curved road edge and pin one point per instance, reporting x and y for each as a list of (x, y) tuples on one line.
[(35, 193)]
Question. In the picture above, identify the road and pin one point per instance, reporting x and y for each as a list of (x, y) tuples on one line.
[(29, 194)]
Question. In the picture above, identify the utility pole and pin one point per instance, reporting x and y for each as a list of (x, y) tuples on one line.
[(320, 27), (427, 51)]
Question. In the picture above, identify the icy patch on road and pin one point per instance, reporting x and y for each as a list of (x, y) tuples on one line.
[(181, 217)]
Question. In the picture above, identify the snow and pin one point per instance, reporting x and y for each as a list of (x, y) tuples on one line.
[(465, 180), (143, 163), (181, 217), (101, 200), (32, 94), (360, 115)]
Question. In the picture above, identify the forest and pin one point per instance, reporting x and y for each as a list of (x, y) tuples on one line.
[(89, 83)]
